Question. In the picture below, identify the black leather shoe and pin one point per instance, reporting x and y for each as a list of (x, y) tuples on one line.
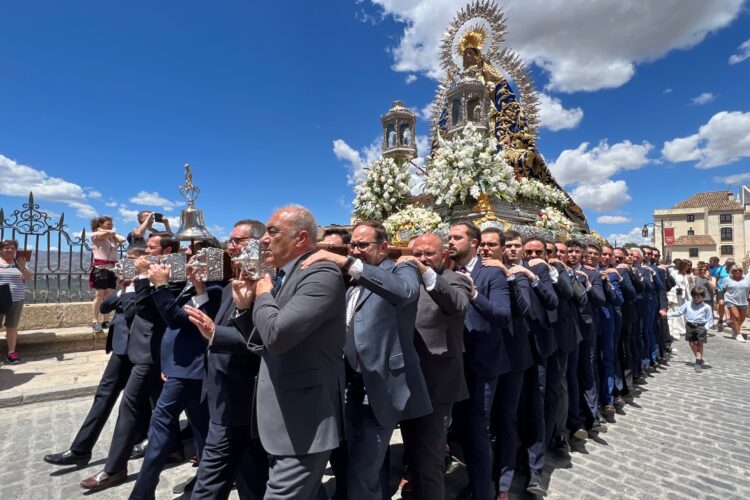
[(598, 426), (68, 458), (535, 486), (640, 380), (139, 450), (561, 444), (185, 486)]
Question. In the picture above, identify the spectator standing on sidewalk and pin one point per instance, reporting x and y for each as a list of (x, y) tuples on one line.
[(146, 218), (14, 273), (719, 275), (703, 279), (677, 296), (736, 289)]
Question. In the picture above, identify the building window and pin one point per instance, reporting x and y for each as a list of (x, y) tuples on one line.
[(691, 232), (693, 252), (727, 250), (691, 218), (726, 234), (725, 218)]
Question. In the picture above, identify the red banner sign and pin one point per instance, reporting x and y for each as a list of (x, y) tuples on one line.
[(668, 236)]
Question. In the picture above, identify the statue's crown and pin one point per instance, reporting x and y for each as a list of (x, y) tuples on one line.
[(474, 39)]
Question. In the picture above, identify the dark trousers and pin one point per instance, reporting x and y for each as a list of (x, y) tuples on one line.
[(368, 445), (531, 411), (587, 356), (625, 350), (605, 358), (555, 395), (473, 419), (424, 449), (340, 465), (638, 336), (647, 333), (113, 381), (230, 455), (177, 395), (143, 386), (508, 394), (574, 392)]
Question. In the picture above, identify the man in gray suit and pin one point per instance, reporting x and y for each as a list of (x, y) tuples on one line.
[(443, 302), (296, 322), (384, 381)]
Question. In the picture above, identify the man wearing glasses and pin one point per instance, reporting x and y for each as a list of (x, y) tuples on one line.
[(384, 381), (230, 454)]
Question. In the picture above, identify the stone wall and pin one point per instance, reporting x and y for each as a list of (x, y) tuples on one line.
[(50, 316)]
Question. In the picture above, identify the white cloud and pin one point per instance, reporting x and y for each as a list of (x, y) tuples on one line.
[(582, 44), (600, 162), (612, 219), (358, 161), (734, 179), (633, 236), (18, 180), (127, 214), (111, 203), (704, 98), (219, 232), (154, 200), (554, 116), (667, 91), (93, 194), (742, 54), (724, 139), (601, 196), (411, 78)]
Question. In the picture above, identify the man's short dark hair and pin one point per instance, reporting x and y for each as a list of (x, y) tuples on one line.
[(135, 251), (595, 247), (513, 235), (380, 232), (472, 230), (344, 233), (496, 231), (167, 241), (574, 243), (622, 249), (537, 238), (713, 260), (608, 246)]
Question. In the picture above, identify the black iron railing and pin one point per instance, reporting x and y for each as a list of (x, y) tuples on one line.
[(61, 263)]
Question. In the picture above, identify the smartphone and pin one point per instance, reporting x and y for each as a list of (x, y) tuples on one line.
[(159, 217), (26, 254)]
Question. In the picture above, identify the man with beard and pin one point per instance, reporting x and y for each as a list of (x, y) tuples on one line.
[(486, 359), (443, 303), (384, 384)]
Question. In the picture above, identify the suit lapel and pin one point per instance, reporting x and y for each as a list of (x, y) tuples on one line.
[(386, 264), (288, 278)]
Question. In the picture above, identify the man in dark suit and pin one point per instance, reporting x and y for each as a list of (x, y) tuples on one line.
[(384, 381), (439, 329), (661, 328), (113, 379), (183, 350), (630, 356), (144, 383), (297, 324), (487, 360), (232, 453), (606, 331), (570, 293), (587, 350)]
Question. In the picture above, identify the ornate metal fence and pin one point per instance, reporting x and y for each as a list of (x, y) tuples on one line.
[(61, 263)]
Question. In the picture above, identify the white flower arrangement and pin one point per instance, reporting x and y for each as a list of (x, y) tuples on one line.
[(468, 166), (553, 219), (412, 221), (536, 190), (383, 192)]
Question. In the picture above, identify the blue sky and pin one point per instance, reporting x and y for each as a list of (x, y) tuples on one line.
[(279, 102)]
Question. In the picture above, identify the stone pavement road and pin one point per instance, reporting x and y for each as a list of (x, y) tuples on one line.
[(687, 436)]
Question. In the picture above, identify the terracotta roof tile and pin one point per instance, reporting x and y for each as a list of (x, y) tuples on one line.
[(694, 241), (713, 200)]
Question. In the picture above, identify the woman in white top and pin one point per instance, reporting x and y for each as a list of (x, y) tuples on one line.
[(736, 289), (13, 272), (104, 244), (677, 296)]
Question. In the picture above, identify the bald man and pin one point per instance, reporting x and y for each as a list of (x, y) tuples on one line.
[(443, 302)]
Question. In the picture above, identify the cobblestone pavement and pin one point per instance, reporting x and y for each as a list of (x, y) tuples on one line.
[(687, 436)]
